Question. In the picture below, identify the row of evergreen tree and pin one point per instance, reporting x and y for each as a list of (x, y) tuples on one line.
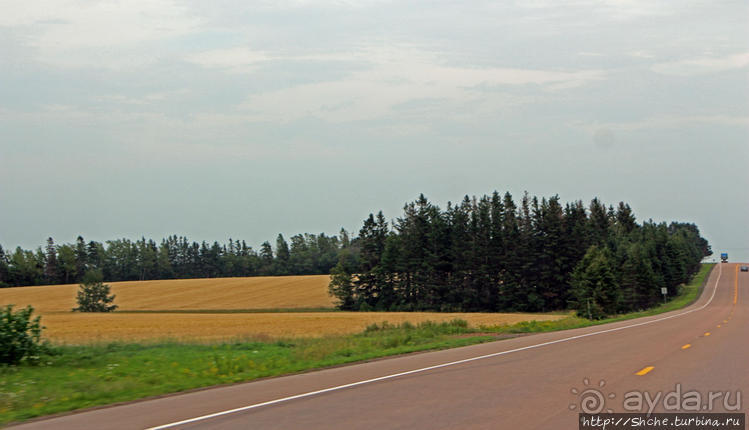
[(486, 254), (174, 257), (489, 254)]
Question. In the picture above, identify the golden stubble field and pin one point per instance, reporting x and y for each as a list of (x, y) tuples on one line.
[(266, 292), (95, 328), (55, 302)]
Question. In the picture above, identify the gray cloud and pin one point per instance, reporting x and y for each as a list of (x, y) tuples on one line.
[(232, 118)]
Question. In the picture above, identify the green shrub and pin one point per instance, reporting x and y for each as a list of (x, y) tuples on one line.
[(20, 336), (93, 295)]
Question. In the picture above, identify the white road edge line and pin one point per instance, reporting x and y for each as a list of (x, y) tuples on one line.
[(424, 369)]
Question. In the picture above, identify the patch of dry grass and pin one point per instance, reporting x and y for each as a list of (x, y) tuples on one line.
[(187, 294), (73, 328)]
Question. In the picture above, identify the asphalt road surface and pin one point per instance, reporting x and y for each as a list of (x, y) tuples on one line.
[(531, 382)]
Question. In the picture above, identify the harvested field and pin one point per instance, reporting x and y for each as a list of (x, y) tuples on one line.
[(76, 328), (171, 300), (187, 294)]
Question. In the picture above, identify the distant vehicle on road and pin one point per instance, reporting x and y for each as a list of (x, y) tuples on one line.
[(744, 269), (724, 257)]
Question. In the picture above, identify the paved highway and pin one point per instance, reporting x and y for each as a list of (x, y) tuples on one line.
[(531, 382)]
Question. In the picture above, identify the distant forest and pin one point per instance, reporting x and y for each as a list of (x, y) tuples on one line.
[(172, 258), (489, 254), (483, 254)]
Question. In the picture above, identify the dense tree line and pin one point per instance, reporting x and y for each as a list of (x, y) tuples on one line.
[(173, 257), (485, 254), (490, 254)]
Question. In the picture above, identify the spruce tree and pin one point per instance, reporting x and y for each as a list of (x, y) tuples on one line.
[(282, 249), (599, 223), (461, 253), (50, 265), (342, 288), (594, 286), (511, 297), (81, 258), (93, 294)]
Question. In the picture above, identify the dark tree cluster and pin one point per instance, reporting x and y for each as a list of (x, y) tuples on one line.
[(174, 257), (490, 254)]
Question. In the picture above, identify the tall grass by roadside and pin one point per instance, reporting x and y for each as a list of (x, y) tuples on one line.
[(77, 377)]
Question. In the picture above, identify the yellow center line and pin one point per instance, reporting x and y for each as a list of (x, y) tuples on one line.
[(707, 333), (718, 325), (645, 371), (689, 345), (725, 321), (736, 286)]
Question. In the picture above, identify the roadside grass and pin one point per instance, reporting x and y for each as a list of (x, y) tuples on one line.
[(75, 377)]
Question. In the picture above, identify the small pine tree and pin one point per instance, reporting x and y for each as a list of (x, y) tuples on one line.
[(93, 295)]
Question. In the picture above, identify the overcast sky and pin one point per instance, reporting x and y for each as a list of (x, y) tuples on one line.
[(244, 119)]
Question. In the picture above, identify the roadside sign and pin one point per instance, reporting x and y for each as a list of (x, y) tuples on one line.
[(664, 290)]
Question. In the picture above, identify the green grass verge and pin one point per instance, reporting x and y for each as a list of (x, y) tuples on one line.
[(77, 377), (85, 376)]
